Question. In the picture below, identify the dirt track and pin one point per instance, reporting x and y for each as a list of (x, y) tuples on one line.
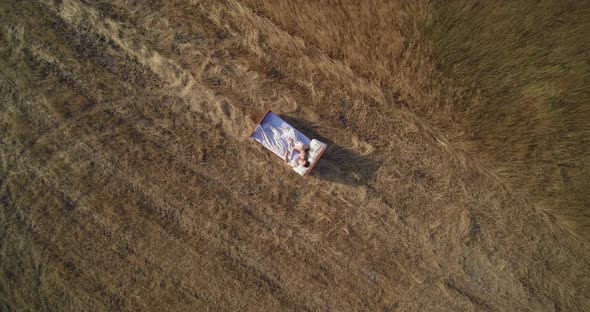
[(128, 182)]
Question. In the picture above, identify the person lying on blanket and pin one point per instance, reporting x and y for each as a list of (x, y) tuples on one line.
[(283, 141), (302, 153)]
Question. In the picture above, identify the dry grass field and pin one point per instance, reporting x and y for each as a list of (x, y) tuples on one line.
[(456, 178)]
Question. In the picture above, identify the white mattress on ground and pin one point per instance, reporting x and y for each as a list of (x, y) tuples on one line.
[(273, 133)]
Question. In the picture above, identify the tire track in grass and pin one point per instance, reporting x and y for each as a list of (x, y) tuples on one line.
[(76, 196), (134, 184), (80, 204), (43, 236), (152, 198)]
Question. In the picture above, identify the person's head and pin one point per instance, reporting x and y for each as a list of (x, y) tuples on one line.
[(303, 162)]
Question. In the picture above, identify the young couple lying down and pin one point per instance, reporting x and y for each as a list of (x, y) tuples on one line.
[(284, 141)]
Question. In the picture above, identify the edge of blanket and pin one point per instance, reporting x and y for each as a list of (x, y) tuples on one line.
[(259, 122), (316, 161)]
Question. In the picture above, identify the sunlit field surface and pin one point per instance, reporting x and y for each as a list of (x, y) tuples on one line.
[(457, 176)]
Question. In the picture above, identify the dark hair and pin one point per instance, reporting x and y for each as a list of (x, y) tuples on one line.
[(306, 164)]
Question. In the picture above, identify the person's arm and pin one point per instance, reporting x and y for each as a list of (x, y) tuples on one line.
[(298, 146), (286, 155)]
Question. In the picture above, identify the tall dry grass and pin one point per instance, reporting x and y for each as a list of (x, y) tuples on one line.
[(127, 181), (506, 83), (523, 68)]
